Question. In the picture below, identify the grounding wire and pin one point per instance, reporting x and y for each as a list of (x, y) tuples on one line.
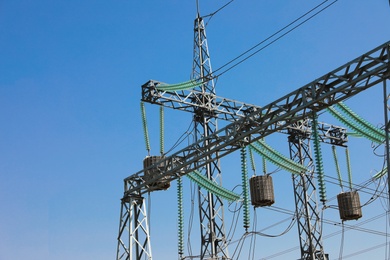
[(273, 41)]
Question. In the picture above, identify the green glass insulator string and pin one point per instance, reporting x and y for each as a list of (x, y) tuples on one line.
[(264, 163), (179, 86), (145, 127), (365, 124), (180, 217), (318, 160), (355, 126), (244, 172), (212, 187), (276, 158), (349, 168), (336, 162), (252, 158)]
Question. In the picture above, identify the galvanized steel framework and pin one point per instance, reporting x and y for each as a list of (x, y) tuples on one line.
[(307, 213), (212, 228), (254, 123)]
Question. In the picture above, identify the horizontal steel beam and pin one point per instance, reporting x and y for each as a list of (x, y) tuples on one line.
[(335, 86)]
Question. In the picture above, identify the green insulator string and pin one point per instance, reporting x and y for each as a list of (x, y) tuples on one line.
[(318, 160), (252, 161), (212, 187), (180, 218), (355, 127), (264, 165), (276, 158), (349, 168), (264, 162), (380, 174), (179, 86), (244, 172), (336, 162), (145, 126), (375, 130), (161, 130)]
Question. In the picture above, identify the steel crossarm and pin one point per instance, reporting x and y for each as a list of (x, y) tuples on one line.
[(348, 80), (228, 109), (190, 100)]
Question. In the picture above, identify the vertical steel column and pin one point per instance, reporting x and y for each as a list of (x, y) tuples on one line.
[(308, 218), (212, 229), (386, 106), (134, 237)]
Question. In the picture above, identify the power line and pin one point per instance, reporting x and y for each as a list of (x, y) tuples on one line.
[(270, 37)]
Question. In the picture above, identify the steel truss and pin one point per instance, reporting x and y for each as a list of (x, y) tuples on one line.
[(307, 213), (211, 214), (134, 236), (255, 123)]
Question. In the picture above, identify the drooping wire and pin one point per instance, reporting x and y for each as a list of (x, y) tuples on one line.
[(244, 172), (270, 37), (145, 127), (318, 159), (336, 162)]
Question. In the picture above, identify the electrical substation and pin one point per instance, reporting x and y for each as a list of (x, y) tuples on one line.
[(297, 116)]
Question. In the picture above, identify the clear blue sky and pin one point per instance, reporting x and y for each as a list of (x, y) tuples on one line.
[(70, 84)]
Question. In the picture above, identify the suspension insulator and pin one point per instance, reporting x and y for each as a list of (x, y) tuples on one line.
[(245, 194), (162, 130), (336, 162), (252, 161), (349, 168), (318, 160), (180, 219), (262, 190), (154, 174), (349, 205), (145, 126)]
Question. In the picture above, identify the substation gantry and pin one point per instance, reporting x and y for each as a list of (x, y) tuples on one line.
[(292, 114)]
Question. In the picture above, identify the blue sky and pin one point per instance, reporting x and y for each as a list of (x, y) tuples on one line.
[(70, 85)]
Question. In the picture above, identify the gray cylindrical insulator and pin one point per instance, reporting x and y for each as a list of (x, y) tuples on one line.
[(349, 205), (161, 183), (262, 190)]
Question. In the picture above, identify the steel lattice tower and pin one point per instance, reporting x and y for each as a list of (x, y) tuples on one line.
[(212, 229), (306, 210)]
